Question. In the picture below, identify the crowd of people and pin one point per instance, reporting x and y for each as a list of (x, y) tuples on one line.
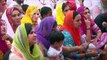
[(52, 30)]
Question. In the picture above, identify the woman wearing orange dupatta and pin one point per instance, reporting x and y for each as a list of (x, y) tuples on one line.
[(71, 32)]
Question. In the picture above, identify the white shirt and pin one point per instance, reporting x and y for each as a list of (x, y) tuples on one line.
[(52, 52)]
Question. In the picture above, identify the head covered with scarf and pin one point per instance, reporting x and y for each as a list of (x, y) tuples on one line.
[(59, 14), (7, 16), (44, 29), (27, 18), (72, 5), (21, 43), (69, 26), (81, 10)]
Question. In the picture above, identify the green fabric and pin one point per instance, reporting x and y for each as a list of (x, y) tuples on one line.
[(20, 41)]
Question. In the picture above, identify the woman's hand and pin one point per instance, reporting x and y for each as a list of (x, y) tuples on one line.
[(87, 22), (92, 53), (104, 24)]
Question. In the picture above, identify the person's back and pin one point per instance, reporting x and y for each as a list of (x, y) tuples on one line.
[(100, 19)]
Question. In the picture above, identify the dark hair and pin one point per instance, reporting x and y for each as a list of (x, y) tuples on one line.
[(24, 7), (75, 13), (55, 36), (64, 5), (28, 27), (55, 24), (44, 11)]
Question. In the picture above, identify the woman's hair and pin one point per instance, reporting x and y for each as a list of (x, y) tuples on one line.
[(75, 13), (24, 7), (55, 36), (64, 5), (44, 11), (28, 27)]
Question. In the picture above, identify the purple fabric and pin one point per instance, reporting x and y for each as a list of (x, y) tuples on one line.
[(3, 45), (44, 29)]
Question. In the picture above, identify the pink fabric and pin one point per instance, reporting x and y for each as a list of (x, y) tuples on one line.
[(102, 41), (93, 26)]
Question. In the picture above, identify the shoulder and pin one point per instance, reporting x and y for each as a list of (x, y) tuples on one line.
[(13, 56)]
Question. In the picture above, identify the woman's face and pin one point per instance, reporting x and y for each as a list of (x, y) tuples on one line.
[(16, 17), (32, 37), (86, 13), (77, 21), (35, 17), (3, 28), (66, 10)]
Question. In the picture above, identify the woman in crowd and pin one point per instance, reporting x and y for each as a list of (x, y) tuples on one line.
[(25, 45), (12, 16), (31, 16), (46, 26), (100, 39), (71, 32), (101, 21), (72, 4), (3, 44), (61, 10)]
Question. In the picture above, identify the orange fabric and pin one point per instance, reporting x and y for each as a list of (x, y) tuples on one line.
[(69, 26)]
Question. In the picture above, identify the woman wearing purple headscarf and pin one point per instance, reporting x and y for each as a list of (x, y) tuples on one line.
[(44, 29), (88, 26)]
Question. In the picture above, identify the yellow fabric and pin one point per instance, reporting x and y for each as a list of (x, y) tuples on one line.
[(59, 14), (20, 41), (27, 18)]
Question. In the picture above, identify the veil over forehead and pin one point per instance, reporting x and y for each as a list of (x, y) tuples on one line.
[(44, 30)]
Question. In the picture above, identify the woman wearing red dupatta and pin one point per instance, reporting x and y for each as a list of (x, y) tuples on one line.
[(71, 32)]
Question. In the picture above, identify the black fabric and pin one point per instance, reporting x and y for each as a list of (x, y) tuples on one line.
[(24, 7), (75, 14), (28, 27), (6, 56), (99, 20)]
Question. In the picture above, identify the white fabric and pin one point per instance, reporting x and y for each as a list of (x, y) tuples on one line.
[(55, 53), (8, 2), (13, 56), (10, 31), (91, 47)]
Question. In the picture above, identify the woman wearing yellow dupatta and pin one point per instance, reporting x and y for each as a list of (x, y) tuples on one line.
[(61, 10), (31, 16), (24, 46)]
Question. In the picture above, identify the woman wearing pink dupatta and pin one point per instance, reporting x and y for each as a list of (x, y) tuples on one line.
[(99, 39), (12, 16)]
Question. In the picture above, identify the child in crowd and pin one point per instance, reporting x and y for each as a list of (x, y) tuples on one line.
[(55, 49)]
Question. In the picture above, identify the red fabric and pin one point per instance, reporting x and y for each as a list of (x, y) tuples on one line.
[(9, 17), (69, 26), (72, 4)]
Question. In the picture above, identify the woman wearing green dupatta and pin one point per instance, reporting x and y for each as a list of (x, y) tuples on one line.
[(25, 46)]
